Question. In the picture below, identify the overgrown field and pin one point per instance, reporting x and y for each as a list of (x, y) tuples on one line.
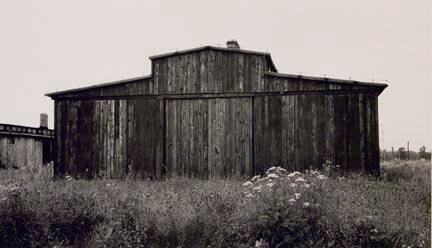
[(280, 209)]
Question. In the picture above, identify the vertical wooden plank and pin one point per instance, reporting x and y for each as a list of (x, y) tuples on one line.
[(254, 73), (159, 138), (169, 136), (275, 131), (376, 151), (291, 120), (211, 72), (211, 126), (205, 123), (266, 150), (228, 132), (339, 130), (314, 138), (72, 138), (180, 132), (257, 129), (367, 122), (361, 132), (322, 119), (298, 131), (241, 111), (247, 74), (94, 139), (240, 72), (307, 133), (222, 138), (189, 133), (249, 139), (332, 128), (198, 148)]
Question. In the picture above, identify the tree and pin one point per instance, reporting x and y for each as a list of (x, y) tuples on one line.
[(422, 152)]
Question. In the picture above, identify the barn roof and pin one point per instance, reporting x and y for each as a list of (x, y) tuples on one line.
[(380, 86)]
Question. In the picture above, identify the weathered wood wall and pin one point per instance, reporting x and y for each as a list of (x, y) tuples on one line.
[(109, 138), (209, 137), (301, 131), (210, 71), (20, 151), (215, 113)]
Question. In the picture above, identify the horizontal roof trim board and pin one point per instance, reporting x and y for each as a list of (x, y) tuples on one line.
[(267, 55), (326, 79), (220, 95), (114, 83)]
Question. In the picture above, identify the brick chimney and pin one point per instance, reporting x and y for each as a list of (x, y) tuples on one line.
[(232, 44), (43, 121)]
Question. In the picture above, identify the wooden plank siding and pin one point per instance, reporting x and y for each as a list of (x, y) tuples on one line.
[(300, 132), (215, 113), (210, 71), (19, 152), (109, 138), (208, 138)]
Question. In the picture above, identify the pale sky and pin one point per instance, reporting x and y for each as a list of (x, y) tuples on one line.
[(55, 45)]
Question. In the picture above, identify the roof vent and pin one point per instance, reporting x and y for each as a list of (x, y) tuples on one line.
[(232, 44)]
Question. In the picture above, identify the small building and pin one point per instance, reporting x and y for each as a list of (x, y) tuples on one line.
[(25, 146), (215, 112)]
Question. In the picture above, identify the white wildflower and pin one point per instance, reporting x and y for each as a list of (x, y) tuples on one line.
[(296, 173), (292, 185), (321, 177), (68, 178), (255, 178), (291, 200), (306, 204), (247, 183), (297, 195), (374, 230), (272, 175), (306, 185), (270, 185), (258, 188), (260, 243), (249, 195), (300, 179), (313, 172), (108, 184), (291, 174)]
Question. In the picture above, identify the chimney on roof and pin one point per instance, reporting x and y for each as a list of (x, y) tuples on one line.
[(232, 44), (43, 121)]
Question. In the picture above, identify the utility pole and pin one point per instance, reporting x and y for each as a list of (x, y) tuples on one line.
[(408, 150)]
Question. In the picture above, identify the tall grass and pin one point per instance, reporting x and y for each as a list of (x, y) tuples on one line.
[(279, 209)]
